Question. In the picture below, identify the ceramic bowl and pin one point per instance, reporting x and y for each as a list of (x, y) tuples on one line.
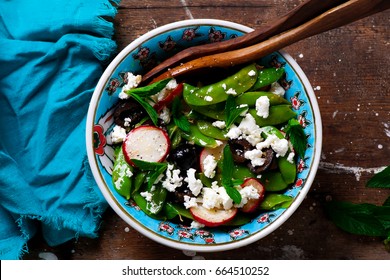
[(145, 52)]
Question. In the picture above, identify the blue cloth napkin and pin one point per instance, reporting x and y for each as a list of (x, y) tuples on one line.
[(51, 57)]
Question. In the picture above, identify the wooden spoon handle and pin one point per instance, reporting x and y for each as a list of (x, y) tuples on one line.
[(341, 15), (302, 13)]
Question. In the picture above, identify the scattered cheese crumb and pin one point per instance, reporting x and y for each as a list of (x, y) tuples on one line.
[(118, 134), (231, 91), (219, 124), (262, 107)]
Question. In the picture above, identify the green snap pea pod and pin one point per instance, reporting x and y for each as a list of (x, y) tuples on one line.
[(174, 134), (242, 172), (196, 136), (287, 169), (142, 204), (122, 175), (275, 201), (156, 204), (278, 114), (267, 130), (173, 210), (209, 130), (273, 181), (139, 179), (250, 98), (216, 112), (267, 76), (205, 180), (219, 91)]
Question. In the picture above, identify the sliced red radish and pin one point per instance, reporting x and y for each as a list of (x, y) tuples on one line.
[(252, 203), (215, 152), (212, 217), (147, 143), (177, 91)]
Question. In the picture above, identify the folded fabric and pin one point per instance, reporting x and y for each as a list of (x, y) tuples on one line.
[(51, 55)]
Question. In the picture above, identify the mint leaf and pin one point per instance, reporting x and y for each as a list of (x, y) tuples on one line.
[(363, 219), (227, 175), (380, 180), (232, 112), (148, 108), (149, 90), (297, 136), (178, 118), (147, 165)]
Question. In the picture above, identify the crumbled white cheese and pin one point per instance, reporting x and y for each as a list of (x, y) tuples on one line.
[(127, 122), (172, 84), (252, 73), (196, 225), (210, 198), (277, 89), (132, 82), (255, 156), (224, 86), (231, 91), (262, 106), (195, 185), (233, 133), (290, 157), (146, 195), (219, 124), (247, 193), (118, 134), (190, 201), (208, 98), (250, 130), (209, 165), (280, 146), (165, 115), (173, 179), (224, 199)]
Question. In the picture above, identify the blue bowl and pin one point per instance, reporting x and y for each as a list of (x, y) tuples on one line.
[(139, 56)]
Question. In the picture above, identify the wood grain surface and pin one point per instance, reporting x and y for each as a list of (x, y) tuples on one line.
[(349, 70)]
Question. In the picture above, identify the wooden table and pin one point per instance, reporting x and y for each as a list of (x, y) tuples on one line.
[(349, 70)]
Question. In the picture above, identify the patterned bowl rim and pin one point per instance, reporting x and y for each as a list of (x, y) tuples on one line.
[(136, 225)]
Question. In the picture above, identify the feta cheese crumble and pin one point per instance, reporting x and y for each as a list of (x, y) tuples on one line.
[(209, 165), (208, 98), (173, 179), (132, 82), (195, 185), (196, 225), (252, 73), (118, 134), (262, 106), (165, 115), (277, 89), (146, 195), (190, 201), (231, 91), (219, 124)]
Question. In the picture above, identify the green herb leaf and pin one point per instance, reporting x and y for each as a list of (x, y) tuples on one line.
[(227, 175), (234, 194), (232, 112), (363, 219), (149, 90), (380, 180), (297, 136), (178, 118), (155, 174), (147, 165), (148, 108)]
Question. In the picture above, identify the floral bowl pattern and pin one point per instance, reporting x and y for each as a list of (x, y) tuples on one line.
[(140, 56)]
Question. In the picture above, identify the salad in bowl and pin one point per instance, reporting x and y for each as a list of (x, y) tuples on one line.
[(203, 163)]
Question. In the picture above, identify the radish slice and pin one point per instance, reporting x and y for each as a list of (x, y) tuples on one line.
[(252, 204), (147, 143), (212, 217)]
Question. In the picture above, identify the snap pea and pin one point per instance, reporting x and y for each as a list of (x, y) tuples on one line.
[(273, 181), (121, 175), (156, 204), (278, 114), (209, 130), (242, 172), (139, 179), (267, 76), (275, 201), (218, 92), (142, 204), (287, 169), (196, 136), (250, 98), (216, 111), (269, 129)]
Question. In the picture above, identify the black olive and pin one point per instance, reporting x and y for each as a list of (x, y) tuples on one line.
[(178, 195), (238, 148), (184, 157), (128, 113), (269, 158)]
